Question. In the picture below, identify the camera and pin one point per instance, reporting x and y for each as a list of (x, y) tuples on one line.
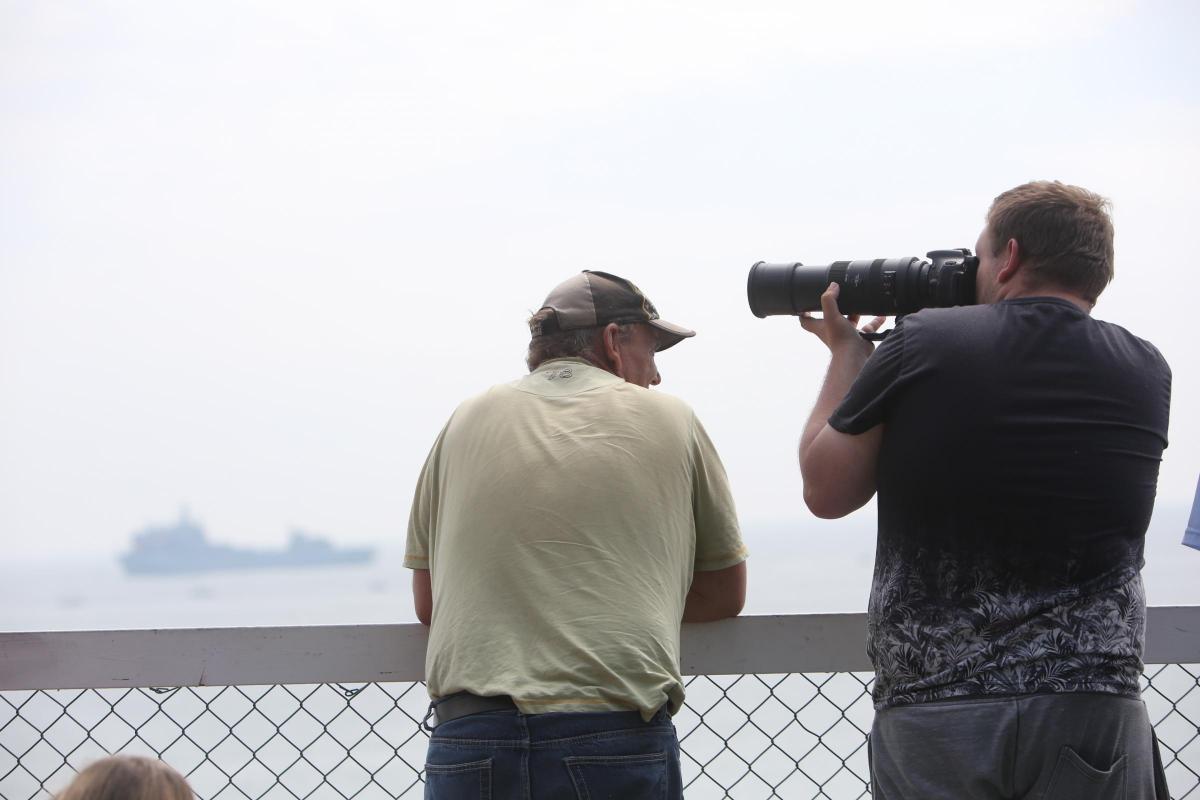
[(883, 287)]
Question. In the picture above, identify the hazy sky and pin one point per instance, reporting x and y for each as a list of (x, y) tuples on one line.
[(252, 254)]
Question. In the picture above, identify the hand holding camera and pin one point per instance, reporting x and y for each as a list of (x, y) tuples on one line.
[(838, 331)]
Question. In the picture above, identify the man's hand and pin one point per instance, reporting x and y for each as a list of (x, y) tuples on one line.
[(838, 469), (836, 331)]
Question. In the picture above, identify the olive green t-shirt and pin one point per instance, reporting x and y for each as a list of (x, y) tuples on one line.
[(561, 517)]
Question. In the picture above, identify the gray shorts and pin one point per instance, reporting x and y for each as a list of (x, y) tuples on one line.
[(1039, 747)]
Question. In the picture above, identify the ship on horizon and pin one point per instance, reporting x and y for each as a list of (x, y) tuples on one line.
[(183, 548)]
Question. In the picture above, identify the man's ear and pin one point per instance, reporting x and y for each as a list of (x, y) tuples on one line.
[(1012, 262), (611, 340)]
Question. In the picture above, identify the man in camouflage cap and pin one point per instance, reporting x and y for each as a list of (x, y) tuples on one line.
[(564, 525)]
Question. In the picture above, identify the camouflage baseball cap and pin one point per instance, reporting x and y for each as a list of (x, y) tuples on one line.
[(592, 299)]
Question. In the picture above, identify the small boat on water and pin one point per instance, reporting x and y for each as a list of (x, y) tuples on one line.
[(183, 548)]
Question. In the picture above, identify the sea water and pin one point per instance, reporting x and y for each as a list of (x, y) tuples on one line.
[(811, 566)]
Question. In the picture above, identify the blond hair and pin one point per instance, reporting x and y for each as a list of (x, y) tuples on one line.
[(1064, 232), (128, 778)]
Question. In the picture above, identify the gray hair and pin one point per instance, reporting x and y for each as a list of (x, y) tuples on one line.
[(585, 343)]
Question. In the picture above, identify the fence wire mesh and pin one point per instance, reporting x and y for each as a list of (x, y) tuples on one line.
[(798, 735)]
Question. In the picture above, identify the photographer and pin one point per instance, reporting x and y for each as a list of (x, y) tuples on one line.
[(1015, 447)]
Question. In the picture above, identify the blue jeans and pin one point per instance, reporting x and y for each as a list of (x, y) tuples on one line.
[(506, 755)]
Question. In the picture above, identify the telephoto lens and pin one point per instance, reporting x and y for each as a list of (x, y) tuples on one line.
[(883, 287)]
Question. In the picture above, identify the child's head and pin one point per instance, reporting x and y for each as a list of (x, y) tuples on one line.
[(127, 778)]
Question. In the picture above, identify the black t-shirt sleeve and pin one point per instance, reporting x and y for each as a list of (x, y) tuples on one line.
[(865, 405)]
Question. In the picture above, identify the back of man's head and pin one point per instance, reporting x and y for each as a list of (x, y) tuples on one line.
[(1064, 234), (582, 343)]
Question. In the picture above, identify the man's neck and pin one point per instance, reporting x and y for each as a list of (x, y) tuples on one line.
[(1014, 292)]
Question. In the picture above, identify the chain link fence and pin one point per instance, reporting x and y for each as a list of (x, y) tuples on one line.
[(798, 735)]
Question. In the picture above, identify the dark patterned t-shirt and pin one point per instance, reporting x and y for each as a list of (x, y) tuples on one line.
[(1017, 473)]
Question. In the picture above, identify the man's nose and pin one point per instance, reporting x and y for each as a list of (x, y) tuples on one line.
[(657, 378)]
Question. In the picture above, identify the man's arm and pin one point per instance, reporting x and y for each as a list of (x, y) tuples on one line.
[(422, 520), (716, 594), (838, 468), (423, 595)]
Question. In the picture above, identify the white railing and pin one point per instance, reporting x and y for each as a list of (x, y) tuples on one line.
[(788, 720), (382, 653)]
